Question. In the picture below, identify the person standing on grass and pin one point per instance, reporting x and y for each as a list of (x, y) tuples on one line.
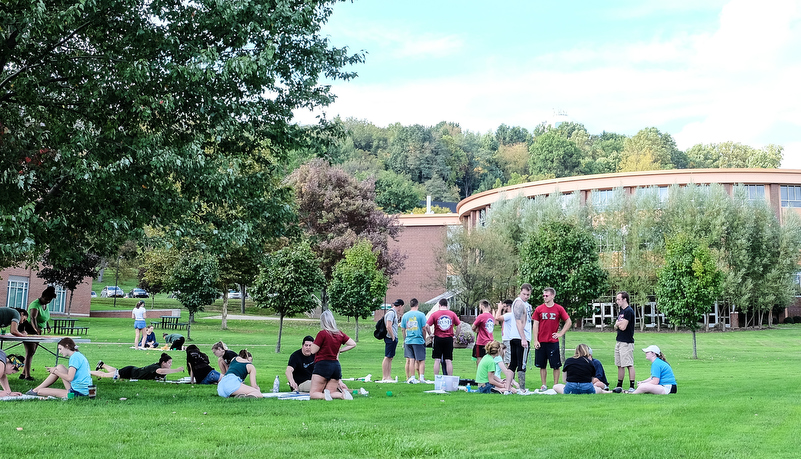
[(505, 317), (662, 380), (151, 372), (444, 320), (414, 342), (38, 317), (300, 367), (546, 333), (624, 342), (521, 336), (391, 340), (232, 384), (483, 327), (139, 314), (224, 356), (76, 377), (329, 343)]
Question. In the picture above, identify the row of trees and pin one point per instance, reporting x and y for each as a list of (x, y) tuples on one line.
[(450, 163), (695, 246)]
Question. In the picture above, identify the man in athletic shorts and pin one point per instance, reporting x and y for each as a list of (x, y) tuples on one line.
[(521, 310), (624, 345), (547, 334), (443, 320), (483, 327), (414, 342)]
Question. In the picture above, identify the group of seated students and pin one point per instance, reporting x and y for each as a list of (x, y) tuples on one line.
[(175, 340), (583, 374)]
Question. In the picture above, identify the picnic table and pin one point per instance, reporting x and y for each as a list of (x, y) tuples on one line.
[(67, 326), (169, 323)]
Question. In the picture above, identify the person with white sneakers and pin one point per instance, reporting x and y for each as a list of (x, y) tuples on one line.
[(414, 342)]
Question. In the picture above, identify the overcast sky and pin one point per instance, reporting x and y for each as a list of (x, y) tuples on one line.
[(704, 71)]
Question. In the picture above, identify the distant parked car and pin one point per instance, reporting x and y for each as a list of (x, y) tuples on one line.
[(94, 294), (138, 293), (111, 291), (234, 295)]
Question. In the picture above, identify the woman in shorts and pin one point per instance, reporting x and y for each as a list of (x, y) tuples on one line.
[(139, 315), (327, 346), (76, 377), (232, 384), (662, 380)]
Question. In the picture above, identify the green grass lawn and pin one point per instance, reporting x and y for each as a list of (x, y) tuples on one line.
[(739, 399)]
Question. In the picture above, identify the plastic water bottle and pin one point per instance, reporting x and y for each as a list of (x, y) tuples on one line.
[(276, 384), (468, 387)]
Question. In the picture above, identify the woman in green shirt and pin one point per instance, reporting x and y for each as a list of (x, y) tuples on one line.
[(38, 317)]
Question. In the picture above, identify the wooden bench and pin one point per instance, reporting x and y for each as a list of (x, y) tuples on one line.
[(77, 330)]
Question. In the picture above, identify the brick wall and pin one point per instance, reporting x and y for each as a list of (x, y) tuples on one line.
[(421, 278)]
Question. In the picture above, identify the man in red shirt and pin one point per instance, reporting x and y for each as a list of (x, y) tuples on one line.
[(443, 320), (483, 327), (546, 333)]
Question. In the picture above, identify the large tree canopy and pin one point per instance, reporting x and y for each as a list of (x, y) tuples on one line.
[(119, 114)]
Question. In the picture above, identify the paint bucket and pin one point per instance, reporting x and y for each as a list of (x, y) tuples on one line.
[(92, 391)]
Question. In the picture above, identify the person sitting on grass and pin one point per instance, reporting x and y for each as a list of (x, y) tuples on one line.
[(662, 380), (157, 370), (599, 380), (232, 384), (200, 372), (76, 377), (8, 365), (488, 374), (175, 340), (224, 356), (579, 373), (149, 338)]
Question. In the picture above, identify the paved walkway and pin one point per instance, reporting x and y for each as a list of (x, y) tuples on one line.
[(241, 317)]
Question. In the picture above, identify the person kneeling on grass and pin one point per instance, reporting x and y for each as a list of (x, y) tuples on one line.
[(232, 383), (579, 373), (329, 343), (76, 377), (662, 380), (491, 369), (200, 372), (175, 340), (9, 365), (150, 372)]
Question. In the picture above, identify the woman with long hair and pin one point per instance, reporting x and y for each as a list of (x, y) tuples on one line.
[(662, 380), (76, 377), (232, 384), (139, 314), (579, 372), (327, 346)]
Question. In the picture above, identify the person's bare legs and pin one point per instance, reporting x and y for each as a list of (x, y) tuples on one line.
[(559, 388), (30, 349), (333, 389), (409, 368), (386, 369), (318, 384), (136, 341), (436, 366), (45, 390), (421, 369), (449, 366), (648, 388), (556, 373), (544, 375), (246, 391), (106, 372)]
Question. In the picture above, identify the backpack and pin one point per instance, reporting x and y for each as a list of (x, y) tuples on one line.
[(380, 329)]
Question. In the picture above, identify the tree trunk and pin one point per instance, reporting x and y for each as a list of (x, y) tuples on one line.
[(69, 307), (189, 327), (224, 322), (695, 347), (357, 329), (324, 299), (564, 346), (770, 318), (242, 288), (280, 330)]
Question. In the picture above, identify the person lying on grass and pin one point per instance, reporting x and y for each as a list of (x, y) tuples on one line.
[(76, 377), (232, 383), (8, 365), (150, 372)]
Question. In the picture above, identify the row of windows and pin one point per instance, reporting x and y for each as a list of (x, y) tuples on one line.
[(790, 195), (18, 295)]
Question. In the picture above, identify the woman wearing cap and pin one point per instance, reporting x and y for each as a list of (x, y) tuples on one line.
[(662, 380), (139, 314), (7, 367), (76, 377)]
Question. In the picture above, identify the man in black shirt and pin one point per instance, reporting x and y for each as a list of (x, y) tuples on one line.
[(300, 366), (624, 347)]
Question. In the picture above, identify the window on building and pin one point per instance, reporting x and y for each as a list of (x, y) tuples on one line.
[(17, 292), (790, 196), (661, 192), (59, 304), (755, 192), (602, 198), (565, 200)]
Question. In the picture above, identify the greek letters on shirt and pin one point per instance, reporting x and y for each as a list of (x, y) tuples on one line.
[(547, 316)]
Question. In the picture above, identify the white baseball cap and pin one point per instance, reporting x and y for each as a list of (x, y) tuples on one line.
[(652, 348)]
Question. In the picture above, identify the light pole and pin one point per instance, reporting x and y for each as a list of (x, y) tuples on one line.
[(116, 280)]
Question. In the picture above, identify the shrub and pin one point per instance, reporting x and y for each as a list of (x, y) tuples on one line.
[(797, 319), (788, 320)]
